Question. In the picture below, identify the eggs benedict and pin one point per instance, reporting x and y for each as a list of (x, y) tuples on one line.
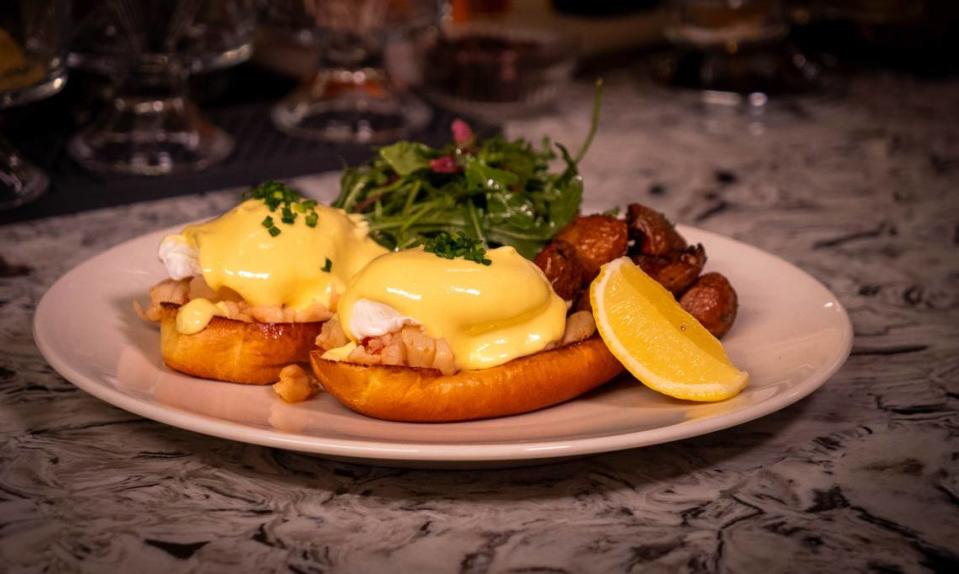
[(248, 291), (451, 332)]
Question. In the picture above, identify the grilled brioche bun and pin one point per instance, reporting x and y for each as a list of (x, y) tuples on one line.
[(426, 395), (236, 351)]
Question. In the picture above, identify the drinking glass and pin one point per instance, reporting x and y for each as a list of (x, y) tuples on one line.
[(734, 46), (32, 67), (350, 97), (148, 48), (726, 24)]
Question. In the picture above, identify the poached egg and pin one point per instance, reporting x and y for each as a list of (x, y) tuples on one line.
[(239, 259), (488, 314)]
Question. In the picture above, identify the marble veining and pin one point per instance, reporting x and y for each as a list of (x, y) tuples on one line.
[(861, 190)]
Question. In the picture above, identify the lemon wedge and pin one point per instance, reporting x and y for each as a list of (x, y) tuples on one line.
[(657, 341)]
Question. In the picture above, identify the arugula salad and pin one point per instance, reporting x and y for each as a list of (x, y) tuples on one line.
[(493, 190)]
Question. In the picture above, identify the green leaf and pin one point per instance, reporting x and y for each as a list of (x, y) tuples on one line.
[(474, 217), (565, 207), (512, 208), (482, 176), (527, 245), (406, 157), (352, 183)]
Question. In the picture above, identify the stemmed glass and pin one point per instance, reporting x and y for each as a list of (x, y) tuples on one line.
[(32, 67), (350, 97), (149, 48), (734, 47)]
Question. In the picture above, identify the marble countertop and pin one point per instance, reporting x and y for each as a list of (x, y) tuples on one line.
[(860, 190)]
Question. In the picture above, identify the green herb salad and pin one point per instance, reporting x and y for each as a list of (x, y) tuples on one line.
[(493, 190)]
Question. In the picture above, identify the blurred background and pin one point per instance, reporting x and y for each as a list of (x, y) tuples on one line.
[(104, 102)]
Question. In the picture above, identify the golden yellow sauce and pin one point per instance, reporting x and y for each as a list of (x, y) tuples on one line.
[(488, 315), (194, 316), (238, 257), (340, 353)]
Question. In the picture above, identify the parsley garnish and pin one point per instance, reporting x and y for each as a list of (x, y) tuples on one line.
[(290, 203), (328, 266), (459, 245)]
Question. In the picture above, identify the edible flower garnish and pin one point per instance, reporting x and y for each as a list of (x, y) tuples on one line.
[(462, 133), (459, 245), (277, 195)]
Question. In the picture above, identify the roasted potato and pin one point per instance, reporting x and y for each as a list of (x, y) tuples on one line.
[(677, 270), (597, 239), (712, 300), (562, 267), (651, 232)]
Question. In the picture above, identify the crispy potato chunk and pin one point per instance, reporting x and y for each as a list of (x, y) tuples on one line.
[(597, 239), (713, 301), (562, 267), (677, 270), (651, 232)]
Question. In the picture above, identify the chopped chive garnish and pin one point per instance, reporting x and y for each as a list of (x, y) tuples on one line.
[(328, 266), (277, 195), (459, 245)]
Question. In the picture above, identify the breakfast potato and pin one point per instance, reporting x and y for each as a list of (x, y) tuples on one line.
[(713, 301), (651, 232), (677, 270), (562, 267), (597, 239)]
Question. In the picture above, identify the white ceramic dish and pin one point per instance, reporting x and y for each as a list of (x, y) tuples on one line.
[(791, 336)]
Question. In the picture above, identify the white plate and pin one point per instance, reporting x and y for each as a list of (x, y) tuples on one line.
[(792, 335)]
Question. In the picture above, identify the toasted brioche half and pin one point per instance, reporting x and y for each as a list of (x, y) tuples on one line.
[(426, 395), (236, 351)]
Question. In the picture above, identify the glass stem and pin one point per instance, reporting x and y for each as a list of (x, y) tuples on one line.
[(153, 77), (348, 50)]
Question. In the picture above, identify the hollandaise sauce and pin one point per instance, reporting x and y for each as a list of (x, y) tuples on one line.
[(195, 316), (488, 314), (241, 258)]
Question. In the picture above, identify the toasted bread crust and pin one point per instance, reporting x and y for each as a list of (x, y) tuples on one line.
[(236, 351), (425, 395)]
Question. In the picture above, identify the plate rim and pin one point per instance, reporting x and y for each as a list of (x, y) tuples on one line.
[(390, 451)]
